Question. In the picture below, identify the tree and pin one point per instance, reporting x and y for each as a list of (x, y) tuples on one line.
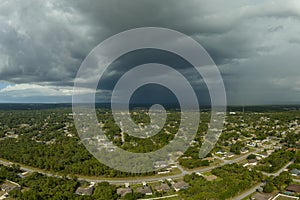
[(251, 156), (269, 187), (105, 191), (236, 148)]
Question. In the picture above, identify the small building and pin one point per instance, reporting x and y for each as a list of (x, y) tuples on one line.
[(295, 172), (261, 196), (123, 191), (251, 144), (180, 186), (163, 188), (264, 154), (127, 185), (244, 150), (230, 155), (24, 174), (85, 190), (144, 190), (210, 177), (293, 188), (8, 186), (251, 162), (164, 172), (209, 159), (220, 152), (160, 164)]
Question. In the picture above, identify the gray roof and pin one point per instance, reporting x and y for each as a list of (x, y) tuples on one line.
[(85, 190), (123, 191), (144, 190), (181, 185), (9, 186), (295, 171), (163, 187)]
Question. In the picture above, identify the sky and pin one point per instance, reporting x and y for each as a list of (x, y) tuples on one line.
[(255, 44)]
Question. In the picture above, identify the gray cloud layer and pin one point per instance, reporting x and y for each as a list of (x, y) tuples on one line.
[(254, 43)]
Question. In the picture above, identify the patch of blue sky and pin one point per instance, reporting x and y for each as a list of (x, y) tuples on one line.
[(4, 85)]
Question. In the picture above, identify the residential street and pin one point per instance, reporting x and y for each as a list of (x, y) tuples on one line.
[(139, 179), (253, 189), (248, 192)]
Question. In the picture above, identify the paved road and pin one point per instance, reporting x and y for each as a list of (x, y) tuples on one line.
[(248, 192), (139, 179), (184, 172), (27, 169), (279, 171), (253, 189), (164, 197)]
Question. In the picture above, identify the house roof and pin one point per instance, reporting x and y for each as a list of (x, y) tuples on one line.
[(123, 191), (252, 161), (181, 185), (264, 154), (261, 196), (163, 187), (244, 149), (293, 188), (295, 171), (210, 177), (209, 158), (144, 190), (9, 186), (85, 190)]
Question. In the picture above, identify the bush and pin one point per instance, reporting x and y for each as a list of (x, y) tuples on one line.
[(251, 156)]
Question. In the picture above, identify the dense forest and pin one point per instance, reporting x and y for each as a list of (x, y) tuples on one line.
[(47, 139), (232, 179)]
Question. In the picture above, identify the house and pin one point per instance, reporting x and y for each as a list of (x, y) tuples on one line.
[(164, 172), (209, 159), (127, 185), (251, 144), (292, 149), (160, 164), (24, 174), (220, 152), (163, 188), (85, 190), (293, 188), (170, 180), (244, 150), (251, 162), (144, 190), (295, 172), (8, 186), (230, 155), (180, 185), (211, 177), (261, 196), (123, 191), (264, 154)]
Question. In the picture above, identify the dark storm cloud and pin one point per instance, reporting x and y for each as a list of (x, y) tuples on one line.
[(38, 43), (44, 42)]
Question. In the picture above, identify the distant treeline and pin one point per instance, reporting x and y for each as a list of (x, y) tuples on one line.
[(42, 106)]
